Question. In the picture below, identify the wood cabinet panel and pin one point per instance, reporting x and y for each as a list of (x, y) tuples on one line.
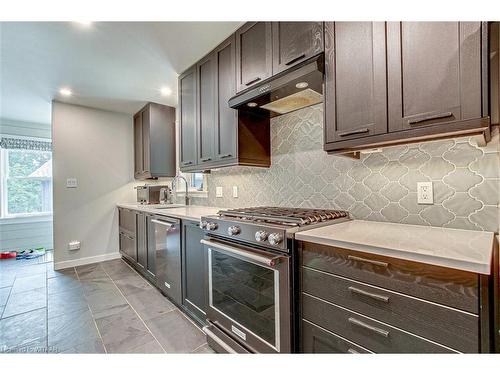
[(454, 288), (294, 42), (434, 73), (138, 150), (188, 112), (355, 80), (451, 327), (206, 111), (253, 54)]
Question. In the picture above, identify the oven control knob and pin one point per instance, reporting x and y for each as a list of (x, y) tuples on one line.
[(233, 230), (275, 239), (261, 236), (212, 226), (203, 224)]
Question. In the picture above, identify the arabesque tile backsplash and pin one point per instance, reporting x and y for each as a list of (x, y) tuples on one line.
[(380, 186)]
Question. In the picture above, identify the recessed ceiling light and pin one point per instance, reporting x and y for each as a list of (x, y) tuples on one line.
[(252, 104), (166, 91), (65, 92), (84, 23)]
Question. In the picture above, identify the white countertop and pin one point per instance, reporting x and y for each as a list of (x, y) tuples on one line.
[(465, 250), (179, 211)]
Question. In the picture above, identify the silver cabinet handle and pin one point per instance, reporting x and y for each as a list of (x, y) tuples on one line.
[(269, 261), (188, 162), (430, 117), (359, 323), (354, 132), (214, 337), (362, 292), (256, 79), (161, 222), (205, 159), (225, 156), (352, 351), (371, 261), (290, 62)]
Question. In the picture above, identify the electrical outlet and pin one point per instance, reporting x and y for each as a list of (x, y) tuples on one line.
[(71, 182), (74, 245), (424, 193), (218, 192), (235, 191)]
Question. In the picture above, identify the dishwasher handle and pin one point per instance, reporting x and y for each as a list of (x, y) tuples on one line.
[(161, 222)]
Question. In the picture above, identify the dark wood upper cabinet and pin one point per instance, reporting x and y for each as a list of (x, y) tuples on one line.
[(294, 42), (253, 54), (434, 73), (154, 142), (227, 118), (355, 80), (206, 112), (188, 111)]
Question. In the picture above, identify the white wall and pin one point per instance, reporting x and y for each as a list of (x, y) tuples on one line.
[(16, 234), (96, 147)]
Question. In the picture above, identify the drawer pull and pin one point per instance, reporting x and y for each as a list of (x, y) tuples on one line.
[(205, 159), (188, 162), (225, 156), (430, 117), (256, 79), (352, 351), (371, 261), (378, 331), (378, 297), (354, 132), (295, 59)]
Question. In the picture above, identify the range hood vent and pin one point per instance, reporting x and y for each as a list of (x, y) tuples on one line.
[(300, 87)]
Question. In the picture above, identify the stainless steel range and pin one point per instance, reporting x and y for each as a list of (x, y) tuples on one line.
[(252, 275)]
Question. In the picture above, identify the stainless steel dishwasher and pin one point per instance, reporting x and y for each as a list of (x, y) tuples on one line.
[(167, 234)]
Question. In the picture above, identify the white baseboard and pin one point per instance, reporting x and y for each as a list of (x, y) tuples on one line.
[(83, 261)]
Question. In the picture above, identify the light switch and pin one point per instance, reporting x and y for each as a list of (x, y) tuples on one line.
[(218, 192), (424, 193), (71, 182), (235, 191)]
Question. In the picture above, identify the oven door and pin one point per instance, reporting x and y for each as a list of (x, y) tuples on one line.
[(249, 295)]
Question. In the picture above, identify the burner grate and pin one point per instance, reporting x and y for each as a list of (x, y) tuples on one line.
[(284, 215)]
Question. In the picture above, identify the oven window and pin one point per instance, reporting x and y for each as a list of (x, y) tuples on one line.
[(245, 293)]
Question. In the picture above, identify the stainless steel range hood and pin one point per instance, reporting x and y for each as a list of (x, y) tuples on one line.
[(299, 87)]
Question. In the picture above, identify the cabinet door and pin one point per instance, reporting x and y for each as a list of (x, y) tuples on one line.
[(434, 73), (206, 118), (294, 42), (146, 151), (318, 340), (227, 118), (195, 268), (138, 151), (141, 241), (253, 54), (187, 105), (151, 247), (128, 246), (355, 80)]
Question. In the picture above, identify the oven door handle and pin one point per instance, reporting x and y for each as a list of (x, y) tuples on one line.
[(269, 261)]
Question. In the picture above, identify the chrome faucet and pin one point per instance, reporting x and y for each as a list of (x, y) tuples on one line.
[(179, 177)]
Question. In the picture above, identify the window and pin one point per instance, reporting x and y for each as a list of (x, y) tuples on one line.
[(197, 181), (26, 185)]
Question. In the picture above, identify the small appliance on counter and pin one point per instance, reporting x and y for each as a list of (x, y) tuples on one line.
[(153, 194)]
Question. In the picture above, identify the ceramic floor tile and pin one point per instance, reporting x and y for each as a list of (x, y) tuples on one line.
[(97, 285), (66, 302), (4, 294), (88, 347), (103, 302), (65, 272), (24, 333), (176, 333), (25, 301), (150, 303), (91, 271), (117, 268), (25, 283), (6, 279), (63, 283), (30, 270), (203, 349), (132, 284), (123, 332), (71, 330)]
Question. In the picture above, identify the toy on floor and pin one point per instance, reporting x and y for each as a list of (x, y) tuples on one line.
[(30, 253)]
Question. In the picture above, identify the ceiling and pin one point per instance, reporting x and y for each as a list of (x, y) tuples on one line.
[(117, 66)]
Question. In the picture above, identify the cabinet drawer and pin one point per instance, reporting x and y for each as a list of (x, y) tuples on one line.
[(450, 327), (127, 220), (371, 334), (458, 289), (318, 340), (128, 246)]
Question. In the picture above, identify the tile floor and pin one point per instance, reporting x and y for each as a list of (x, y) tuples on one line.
[(100, 308)]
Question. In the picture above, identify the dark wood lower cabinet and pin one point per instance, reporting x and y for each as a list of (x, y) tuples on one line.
[(388, 305), (194, 271)]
